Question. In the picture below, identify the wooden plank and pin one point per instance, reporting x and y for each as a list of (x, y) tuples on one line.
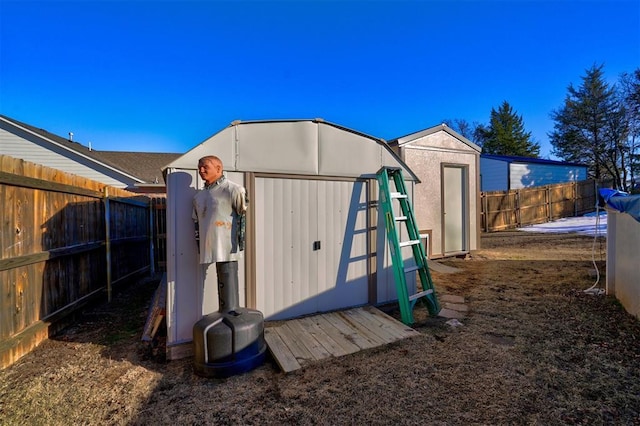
[(18, 261), (375, 327), (317, 350), (156, 311), (370, 321), (390, 324), (280, 351), (351, 334), (337, 335), (10, 236), (33, 183), (354, 322), (299, 351), (312, 328)]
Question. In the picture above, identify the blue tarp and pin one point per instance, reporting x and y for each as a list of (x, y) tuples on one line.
[(622, 202)]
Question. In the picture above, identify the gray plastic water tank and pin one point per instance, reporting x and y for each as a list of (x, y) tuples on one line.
[(230, 341)]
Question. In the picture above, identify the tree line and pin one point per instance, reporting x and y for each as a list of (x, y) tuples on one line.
[(597, 125)]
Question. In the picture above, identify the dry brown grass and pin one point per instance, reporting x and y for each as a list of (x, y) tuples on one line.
[(534, 349)]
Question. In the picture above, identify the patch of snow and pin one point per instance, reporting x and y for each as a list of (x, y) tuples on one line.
[(590, 224)]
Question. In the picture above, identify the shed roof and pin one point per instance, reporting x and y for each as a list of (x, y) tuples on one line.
[(295, 146), (432, 130), (517, 159)]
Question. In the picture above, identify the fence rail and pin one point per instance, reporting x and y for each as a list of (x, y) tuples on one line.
[(63, 241), (512, 209)]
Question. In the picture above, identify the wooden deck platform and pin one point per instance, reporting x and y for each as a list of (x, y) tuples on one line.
[(299, 342)]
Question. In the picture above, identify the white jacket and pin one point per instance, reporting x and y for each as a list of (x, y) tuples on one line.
[(216, 211)]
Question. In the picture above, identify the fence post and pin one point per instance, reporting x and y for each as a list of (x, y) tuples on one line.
[(549, 203), (575, 198), (518, 218), (483, 203), (107, 237), (152, 211)]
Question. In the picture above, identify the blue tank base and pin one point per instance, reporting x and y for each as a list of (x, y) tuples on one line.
[(222, 370)]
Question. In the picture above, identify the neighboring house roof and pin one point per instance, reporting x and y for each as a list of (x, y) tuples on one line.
[(516, 159), (141, 167), (431, 130), (146, 166)]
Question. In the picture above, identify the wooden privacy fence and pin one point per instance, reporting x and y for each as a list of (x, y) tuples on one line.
[(159, 214), (63, 241), (512, 209)]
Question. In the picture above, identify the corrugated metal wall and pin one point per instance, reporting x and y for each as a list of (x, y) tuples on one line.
[(311, 245), (494, 175), (623, 268), (528, 175)]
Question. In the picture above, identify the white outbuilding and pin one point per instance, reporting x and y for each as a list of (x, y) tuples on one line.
[(504, 173), (447, 202), (623, 246), (314, 242)]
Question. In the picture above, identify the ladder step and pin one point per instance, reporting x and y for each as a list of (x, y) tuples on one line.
[(397, 195), (409, 243), (419, 295), (411, 269), (401, 218)]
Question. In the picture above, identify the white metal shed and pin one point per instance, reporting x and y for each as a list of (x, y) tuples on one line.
[(311, 225), (623, 246), (504, 173)]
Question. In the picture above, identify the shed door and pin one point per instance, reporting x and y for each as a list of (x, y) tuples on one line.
[(454, 208), (311, 246)]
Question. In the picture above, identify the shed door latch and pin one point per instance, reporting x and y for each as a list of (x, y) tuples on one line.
[(316, 245)]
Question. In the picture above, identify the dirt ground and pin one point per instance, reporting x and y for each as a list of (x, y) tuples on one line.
[(534, 349)]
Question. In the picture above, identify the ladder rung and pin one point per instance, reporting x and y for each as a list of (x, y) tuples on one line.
[(419, 295), (411, 269), (396, 195), (401, 218), (409, 243)]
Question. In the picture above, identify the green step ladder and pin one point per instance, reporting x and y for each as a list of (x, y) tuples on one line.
[(386, 175)]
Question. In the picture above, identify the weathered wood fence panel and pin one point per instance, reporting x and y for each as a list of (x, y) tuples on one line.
[(512, 209), (159, 211), (63, 241)]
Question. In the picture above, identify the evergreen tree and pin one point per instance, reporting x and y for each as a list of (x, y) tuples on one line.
[(591, 128), (462, 126), (630, 98), (505, 134)]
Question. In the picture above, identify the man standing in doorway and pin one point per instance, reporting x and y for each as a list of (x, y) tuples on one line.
[(218, 213)]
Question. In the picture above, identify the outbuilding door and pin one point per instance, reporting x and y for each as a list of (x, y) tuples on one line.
[(311, 245), (455, 210)]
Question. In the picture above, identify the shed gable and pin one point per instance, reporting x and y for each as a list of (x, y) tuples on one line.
[(441, 141)]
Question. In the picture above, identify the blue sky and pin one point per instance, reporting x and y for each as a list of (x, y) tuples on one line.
[(162, 76)]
